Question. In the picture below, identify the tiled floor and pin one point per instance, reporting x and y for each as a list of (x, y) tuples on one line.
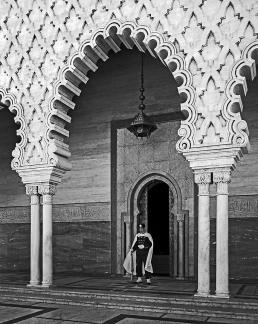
[(53, 314)]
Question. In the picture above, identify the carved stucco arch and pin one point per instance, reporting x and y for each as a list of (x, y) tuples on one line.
[(141, 182), (111, 37), (244, 69), (19, 118)]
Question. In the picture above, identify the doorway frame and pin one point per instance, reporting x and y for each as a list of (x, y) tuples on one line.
[(176, 212)]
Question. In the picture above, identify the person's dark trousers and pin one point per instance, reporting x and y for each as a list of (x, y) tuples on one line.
[(141, 257)]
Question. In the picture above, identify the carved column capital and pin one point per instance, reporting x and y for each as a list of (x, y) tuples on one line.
[(222, 175), (222, 178), (47, 189), (31, 190), (203, 179)]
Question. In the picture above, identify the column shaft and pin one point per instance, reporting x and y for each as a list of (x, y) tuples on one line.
[(203, 179), (35, 241), (47, 253), (222, 178), (128, 236), (222, 246), (181, 247), (203, 246)]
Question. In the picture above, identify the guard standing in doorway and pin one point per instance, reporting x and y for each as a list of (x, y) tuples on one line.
[(142, 250)]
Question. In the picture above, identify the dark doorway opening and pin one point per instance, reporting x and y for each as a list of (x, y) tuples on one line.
[(158, 225)]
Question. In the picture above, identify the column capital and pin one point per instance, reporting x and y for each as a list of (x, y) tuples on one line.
[(47, 189), (203, 179), (222, 175), (31, 190), (202, 176)]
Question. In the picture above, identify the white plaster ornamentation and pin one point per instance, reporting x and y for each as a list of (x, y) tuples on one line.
[(48, 47), (47, 189), (203, 179), (31, 190)]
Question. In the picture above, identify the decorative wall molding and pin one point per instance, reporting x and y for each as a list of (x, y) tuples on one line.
[(63, 213), (240, 207), (48, 47)]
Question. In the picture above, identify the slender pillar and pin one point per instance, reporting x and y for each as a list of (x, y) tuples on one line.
[(203, 179), (47, 192), (32, 191), (128, 235), (180, 220), (222, 179)]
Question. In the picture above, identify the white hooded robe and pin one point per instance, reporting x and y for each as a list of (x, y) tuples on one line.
[(127, 262)]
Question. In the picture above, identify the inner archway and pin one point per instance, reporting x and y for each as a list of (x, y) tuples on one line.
[(156, 196), (158, 222)]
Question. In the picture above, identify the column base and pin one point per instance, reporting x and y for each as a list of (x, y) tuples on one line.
[(221, 295), (202, 294), (46, 284), (33, 284)]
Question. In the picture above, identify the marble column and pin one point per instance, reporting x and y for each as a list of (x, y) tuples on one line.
[(203, 179), (222, 179), (32, 191), (47, 192), (180, 221)]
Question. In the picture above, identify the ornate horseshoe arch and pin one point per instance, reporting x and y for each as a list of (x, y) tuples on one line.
[(243, 70), (86, 59), (17, 109), (132, 205)]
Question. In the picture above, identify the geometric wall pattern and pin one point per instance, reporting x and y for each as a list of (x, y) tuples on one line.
[(48, 47)]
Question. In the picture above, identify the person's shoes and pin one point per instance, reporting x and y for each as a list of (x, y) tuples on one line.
[(148, 281), (139, 280)]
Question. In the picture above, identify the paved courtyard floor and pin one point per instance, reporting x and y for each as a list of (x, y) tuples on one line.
[(40, 313), (32, 312)]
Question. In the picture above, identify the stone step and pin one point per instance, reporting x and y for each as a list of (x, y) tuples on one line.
[(228, 309)]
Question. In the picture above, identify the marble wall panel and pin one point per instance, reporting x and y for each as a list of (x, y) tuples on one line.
[(77, 247), (82, 247), (243, 248), (14, 247)]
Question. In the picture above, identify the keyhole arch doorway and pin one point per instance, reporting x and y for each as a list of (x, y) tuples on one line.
[(173, 263)]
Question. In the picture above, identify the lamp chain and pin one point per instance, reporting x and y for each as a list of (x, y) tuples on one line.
[(142, 97)]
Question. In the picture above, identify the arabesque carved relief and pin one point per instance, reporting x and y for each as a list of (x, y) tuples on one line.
[(47, 48)]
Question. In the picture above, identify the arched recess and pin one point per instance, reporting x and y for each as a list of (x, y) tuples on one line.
[(244, 71), (10, 102), (85, 60), (179, 252), (140, 183)]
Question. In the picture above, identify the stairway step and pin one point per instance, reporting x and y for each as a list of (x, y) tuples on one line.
[(229, 309)]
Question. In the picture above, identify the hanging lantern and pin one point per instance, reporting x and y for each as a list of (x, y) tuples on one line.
[(142, 125)]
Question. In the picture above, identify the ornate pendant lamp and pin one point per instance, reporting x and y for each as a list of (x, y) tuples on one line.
[(142, 125)]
